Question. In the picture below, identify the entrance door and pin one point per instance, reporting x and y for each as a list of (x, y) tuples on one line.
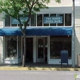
[(29, 49), (41, 49)]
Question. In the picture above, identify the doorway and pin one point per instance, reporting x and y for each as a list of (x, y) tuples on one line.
[(42, 49), (29, 49)]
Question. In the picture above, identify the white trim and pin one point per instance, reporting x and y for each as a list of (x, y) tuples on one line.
[(21, 46), (64, 20), (4, 48), (34, 50), (36, 20), (48, 49), (41, 59), (17, 47)]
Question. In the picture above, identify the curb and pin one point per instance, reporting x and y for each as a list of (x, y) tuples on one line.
[(40, 68)]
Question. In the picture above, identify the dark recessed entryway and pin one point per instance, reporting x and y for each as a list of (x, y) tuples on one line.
[(29, 49)]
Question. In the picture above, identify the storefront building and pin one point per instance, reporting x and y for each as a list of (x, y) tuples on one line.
[(47, 33)]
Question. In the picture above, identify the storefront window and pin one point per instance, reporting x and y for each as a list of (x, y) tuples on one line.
[(15, 22), (62, 16), (39, 20), (67, 19), (46, 15), (7, 20), (33, 20), (11, 46), (53, 15), (57, 44), (40, 48)]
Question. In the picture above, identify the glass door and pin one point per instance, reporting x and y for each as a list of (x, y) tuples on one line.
[(41, 49)]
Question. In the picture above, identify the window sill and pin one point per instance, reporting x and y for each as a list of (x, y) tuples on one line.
[(10, 58)]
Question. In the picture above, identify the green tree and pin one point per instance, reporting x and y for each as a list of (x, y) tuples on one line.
[(18, 8)]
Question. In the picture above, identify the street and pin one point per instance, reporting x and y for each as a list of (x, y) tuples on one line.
[(37, 75)]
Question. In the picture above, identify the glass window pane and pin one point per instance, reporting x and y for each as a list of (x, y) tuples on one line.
[(56, 45), (40, 48), (11, 46), (46, 15), (61, 15), (15, 22), (53, 15), (33, 20), (39, 20), (19, 47), (67, 19), (7, 20)]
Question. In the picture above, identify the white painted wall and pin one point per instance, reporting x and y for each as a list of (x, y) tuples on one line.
[(77, 31), (11, 61), (34, 49), (62, 4), (77, 43), (48, 54), (56, 10), (1, 39)]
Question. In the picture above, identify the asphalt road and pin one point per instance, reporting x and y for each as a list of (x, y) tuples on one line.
[(37, 75)]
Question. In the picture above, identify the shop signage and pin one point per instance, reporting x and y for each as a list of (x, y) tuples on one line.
[(15, 21), (52, 20)]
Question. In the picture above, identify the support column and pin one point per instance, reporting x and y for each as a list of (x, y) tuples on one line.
[(48, 50), (34, 49), (73, 35), (17, 47)]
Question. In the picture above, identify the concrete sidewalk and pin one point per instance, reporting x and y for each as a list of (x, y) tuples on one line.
[(32, 66)]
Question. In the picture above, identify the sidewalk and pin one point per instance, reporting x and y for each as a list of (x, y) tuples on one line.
[(32, 66)]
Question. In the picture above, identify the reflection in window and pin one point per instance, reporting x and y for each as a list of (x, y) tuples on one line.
[(67, 19), (40, 48), (7, 20), (33, 20), (19, 47), (11, 46), (39, 20), (56, 45), (46, 15), (62, 16), (53, 24)]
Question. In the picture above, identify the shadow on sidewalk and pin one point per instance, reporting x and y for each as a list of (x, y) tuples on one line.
[(43, 65)]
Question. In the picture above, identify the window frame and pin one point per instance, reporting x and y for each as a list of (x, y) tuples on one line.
[(36, 24)]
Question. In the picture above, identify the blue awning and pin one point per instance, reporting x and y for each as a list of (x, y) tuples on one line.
[(36, 31)]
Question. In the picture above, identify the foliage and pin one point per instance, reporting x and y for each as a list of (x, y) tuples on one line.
[(18, 8), (58, 1)]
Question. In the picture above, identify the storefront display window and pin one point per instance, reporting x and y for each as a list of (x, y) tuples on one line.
[(46, 15), (19, 47), (7, 20), (54, 18), (67, 19), (62, 16), (33, 20), (40, 48), (57, 44), (53, 15), (11, 46), (39, 20)]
